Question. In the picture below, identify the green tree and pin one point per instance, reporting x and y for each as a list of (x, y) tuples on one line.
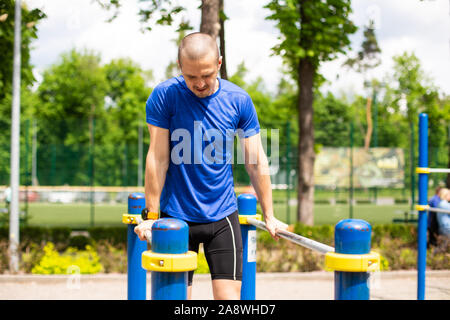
[(30, 21), (311, 32), (409, 91), (332, 117), (157, 12), (89, 119), (366, 59), (126, 96), (71, 96)]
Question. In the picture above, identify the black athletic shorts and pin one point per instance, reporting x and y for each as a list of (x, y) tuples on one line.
[(222, 243)]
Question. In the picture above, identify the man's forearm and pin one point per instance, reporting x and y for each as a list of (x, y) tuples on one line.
[(155, 176), (260, 179)]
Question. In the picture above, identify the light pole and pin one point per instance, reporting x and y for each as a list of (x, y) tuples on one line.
[(15, 145)]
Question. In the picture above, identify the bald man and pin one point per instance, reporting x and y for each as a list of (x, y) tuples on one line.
[(192, 121)]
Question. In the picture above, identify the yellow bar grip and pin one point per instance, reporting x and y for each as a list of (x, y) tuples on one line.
[(130, 218), (352, 262), (423, 170), (243, 218), (162, 262), (421, 207)]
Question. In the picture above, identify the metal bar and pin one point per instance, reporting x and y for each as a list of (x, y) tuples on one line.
[(423, 200), (297, 239), (137, 285), (439, 170), (439, 210), (136, 275), (352, 237), (14, 229)]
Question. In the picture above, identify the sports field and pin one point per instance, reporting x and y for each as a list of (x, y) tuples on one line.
[(79, 215)]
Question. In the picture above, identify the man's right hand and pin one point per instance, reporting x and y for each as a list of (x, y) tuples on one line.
[(143, 227)]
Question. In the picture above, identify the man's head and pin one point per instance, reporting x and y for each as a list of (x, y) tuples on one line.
[(438, 189), (199, 62), (444, 194)]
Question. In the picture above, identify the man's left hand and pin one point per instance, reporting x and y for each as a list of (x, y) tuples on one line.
[(273, 225)]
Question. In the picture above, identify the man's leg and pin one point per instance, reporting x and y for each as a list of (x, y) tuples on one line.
[(226, 289), (224, 256), (189, 292)]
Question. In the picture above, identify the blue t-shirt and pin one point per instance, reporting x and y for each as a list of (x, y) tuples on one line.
[(444, 218), (199, 182), (434, 201)]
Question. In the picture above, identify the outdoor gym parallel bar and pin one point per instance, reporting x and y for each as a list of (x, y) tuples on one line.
[(293, 237), (170, 261), (433, 209), (423, 206), (136, 282), (351, 260), (432, 170)]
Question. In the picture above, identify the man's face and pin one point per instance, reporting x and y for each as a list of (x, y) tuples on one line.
[(201, 74)]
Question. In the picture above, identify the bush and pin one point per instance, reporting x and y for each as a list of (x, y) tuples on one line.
[(397, 244), (202, 264), (113, 258), (324, 233), (114, 235), (84, 262)]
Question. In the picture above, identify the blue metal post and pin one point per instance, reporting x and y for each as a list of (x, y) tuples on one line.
[(169, 236), (423, 200), (247, 206), (137, 286), (352, 236)]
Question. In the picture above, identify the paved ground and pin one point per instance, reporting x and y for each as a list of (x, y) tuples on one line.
[(269, 286)]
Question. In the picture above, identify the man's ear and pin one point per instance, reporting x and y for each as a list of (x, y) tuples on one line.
[(219, 64)]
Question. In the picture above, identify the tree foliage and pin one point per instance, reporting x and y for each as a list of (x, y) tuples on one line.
[(311, 32), (29, 23)]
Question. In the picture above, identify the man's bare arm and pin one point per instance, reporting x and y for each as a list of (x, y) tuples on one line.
[(257, 166), (156, 165)]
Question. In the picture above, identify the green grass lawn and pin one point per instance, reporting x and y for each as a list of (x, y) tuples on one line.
[(79, 215), (75, 215), (331, 214)]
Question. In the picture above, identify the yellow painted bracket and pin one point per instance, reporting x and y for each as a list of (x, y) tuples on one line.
[(243, 218), (421, 207), (130, 218), (352, 262), (162, 262), (423, 170)]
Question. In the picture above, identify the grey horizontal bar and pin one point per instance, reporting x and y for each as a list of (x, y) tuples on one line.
[(439, 170), (439, 210), (297, 239)]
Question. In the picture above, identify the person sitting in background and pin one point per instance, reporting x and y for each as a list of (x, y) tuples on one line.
[(443, 219), (433, 230), (7, 194)]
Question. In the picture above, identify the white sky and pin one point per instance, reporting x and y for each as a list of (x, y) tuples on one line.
[(413, 26)]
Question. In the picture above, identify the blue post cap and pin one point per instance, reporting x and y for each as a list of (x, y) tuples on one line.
[(352, 236), (170, 235), (423, 115), (246, 204), (136, 202)]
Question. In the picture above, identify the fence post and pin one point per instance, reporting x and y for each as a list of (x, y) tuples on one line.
[(352, 237), (169, 259), (137, 286), (247, 208)]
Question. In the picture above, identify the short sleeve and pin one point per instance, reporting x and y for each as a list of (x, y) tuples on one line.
[(157, 109), (248, 124)]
